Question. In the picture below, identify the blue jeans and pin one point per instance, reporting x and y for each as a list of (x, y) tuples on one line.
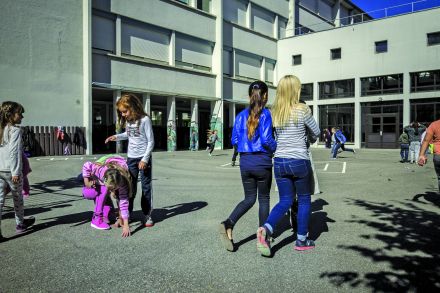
[(146, 200), (293, 178), (404, 148), (342, 147), (255, 182)]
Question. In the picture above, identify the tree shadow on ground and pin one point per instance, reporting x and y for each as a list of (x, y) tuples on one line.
[(161, 214), (410, 239), (318, 225)]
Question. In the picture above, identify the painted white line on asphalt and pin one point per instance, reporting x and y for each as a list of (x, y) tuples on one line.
[(326, 167), (226, 164), (344, 167)]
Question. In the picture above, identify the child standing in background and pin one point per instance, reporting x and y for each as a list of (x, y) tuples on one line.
[(139, 132), (11, 164), (108, 175), (404, 147)]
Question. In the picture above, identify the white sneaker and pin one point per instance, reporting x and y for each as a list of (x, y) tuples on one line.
[(149, 221)]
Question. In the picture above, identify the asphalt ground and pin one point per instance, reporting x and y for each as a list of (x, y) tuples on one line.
[(375, 222)]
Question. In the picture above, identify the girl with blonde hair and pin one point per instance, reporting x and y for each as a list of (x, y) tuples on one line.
[(294, 128), (139, 132), (253, 138)]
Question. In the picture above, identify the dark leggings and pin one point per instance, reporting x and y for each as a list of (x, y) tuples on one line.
[(437, 168), (255, 182)]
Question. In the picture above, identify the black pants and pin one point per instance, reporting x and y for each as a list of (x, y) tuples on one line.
[(234, 155), (146, 200), (211, 147), (254, 182), (437, 168)]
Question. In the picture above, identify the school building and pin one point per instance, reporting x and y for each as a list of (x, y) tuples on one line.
[(191, 62)]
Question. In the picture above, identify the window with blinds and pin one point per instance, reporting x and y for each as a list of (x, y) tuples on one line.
[(103, 33), (270, 71), (146, 41), (247, 65), (262, 20), (227, 62), (235, 11), (193, 53)]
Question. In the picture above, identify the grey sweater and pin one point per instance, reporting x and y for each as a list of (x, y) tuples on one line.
[(11, 151)]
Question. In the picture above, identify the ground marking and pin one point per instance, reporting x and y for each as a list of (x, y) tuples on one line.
[(344, 167), (326, 166), (224, 165)]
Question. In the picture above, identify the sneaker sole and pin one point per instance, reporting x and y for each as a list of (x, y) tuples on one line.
[(264, 249), (227, 243), (148, 225), (99, 228), (302, 248)]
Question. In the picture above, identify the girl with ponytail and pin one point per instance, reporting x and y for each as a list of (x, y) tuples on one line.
[(252, 136)]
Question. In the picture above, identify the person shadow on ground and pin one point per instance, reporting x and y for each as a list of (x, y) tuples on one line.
[(318, 225), (161, 214), (429, 196)]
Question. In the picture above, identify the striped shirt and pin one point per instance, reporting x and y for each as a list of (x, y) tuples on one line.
[(292, 139)]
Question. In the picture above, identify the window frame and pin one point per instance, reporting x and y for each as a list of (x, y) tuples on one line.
[(294, 58), (335, 51), (436, 35), (377, 45)]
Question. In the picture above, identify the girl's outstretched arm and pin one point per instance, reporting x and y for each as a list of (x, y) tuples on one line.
[(125, 228)]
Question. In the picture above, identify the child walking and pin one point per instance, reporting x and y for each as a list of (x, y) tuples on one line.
[(404, 147), (108, 176), (11, 164), (139, 132)]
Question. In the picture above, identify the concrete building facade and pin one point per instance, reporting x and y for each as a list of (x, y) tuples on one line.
[(191, 61)]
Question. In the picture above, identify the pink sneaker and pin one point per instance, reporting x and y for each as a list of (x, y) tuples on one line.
[(99, 224), (263, 244)]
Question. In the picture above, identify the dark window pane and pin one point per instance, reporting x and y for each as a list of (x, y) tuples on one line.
[(433, 38), (381, 47), (338, 116), (335, 53), (379, 85), (307, 92), (296, 59)]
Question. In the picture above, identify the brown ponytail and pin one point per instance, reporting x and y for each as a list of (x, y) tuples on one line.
[(258, 99)]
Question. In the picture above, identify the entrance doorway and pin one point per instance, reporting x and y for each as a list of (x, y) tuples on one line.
[(382, 130)]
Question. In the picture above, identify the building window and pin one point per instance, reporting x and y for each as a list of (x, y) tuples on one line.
[(381, 47), (247, 66), (425, 111), (228, 66), (103, 32), (296, 59), (193, 53), (433, 38), (204, 5), (382, 85), (262, 20), (307, 92), (336, 89), (340, 115), (270, 71), (335, 54), (425, 81)]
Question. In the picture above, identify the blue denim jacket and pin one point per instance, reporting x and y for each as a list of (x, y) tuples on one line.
[(263, 140)]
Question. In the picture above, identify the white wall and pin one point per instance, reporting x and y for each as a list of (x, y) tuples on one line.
[(41, 59), (407, 49)]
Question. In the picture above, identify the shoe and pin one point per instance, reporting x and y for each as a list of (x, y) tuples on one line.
[(304, 245), (228, 243), (263, 245), (233, 164), (210, 155), (148, 222), (99, 224), (27, 223)]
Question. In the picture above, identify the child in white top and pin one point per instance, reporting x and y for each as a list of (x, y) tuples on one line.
[(11, 165), (139, 132)]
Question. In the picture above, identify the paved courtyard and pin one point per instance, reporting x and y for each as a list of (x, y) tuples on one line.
[(376, 226)]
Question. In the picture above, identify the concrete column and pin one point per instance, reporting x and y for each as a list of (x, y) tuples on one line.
[(276, 27), (406, 119), (118, 128), (194, 124), (233, 63), (357, 124), (118, 35), (263, 70), (216, 122), (193, 3), (146, 99), (290, 28), (87, 73), (249, 15), (232, 114), (357, 113), (171, 124), (172, 57), (337, 13)]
